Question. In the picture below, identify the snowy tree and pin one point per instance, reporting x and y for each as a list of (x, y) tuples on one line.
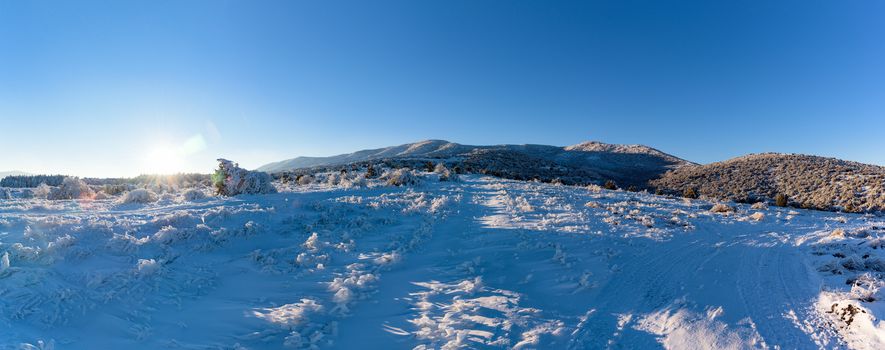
[(230, 180)]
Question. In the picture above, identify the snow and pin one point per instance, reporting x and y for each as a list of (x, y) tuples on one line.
[(477, 263)]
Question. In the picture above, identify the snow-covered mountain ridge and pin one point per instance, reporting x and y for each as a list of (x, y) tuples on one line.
[(588, 162)]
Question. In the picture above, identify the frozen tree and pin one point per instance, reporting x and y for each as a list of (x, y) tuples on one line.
[(230, 180)]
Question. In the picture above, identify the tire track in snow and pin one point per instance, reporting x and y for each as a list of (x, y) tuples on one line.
[(625, 296), (766, 297)]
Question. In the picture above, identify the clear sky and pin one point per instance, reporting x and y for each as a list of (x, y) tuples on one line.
[(118, 88)]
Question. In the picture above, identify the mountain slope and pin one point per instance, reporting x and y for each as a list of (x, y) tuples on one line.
[(809, 181), (588, 162)]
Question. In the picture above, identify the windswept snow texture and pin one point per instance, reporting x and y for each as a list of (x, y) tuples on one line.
[(479, 263)]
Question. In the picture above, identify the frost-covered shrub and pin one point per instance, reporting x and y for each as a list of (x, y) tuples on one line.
[(334, 179), (759, 206), (838, 233), (71, 188), (444, 173), (610, 185), (114, 190), (140, 195), (305, 180), (5, 194), (370, 172), (357, 181), (594, 188), (230, 180), (42, 191), (721, 208), (401, 177), (193, 195)]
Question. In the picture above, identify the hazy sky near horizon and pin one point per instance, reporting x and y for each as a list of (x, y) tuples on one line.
[(119, 88)]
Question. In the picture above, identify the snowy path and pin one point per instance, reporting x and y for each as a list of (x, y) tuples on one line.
[(483, 263)]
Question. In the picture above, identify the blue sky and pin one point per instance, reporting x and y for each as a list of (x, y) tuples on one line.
[(118, 88)]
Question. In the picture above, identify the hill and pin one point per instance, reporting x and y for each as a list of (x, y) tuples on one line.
[(588, 162), (11, 173), (808, 181)]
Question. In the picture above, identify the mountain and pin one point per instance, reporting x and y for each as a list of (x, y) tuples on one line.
[(808, 181), (11, 173), (588, 162)]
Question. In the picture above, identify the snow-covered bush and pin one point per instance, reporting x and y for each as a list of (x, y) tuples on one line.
[(5, 194), (71, 188), (193, 194), (401, 177), (721, 208), (759, 206), (305, 179), (594, 188), (42, 191), (444, 173), (140, 195), (231, 180), (334, 179)]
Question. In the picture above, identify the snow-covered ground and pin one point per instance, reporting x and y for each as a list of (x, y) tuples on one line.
[(480, 263)]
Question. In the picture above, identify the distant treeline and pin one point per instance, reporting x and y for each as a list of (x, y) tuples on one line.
[(175, 180), (31, 181)]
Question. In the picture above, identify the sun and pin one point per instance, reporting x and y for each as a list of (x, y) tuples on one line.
[(163, 159)]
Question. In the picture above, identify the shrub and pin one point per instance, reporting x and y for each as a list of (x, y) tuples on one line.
[(71, 188), (370, 172), (140, 195), (193, 194), (690, 193), (444, 173), (632, 189), (759, 206), (781, 200), (42, 191), (610, 185), (401, 177), (231, 180), (113, 190), (721, 208)]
